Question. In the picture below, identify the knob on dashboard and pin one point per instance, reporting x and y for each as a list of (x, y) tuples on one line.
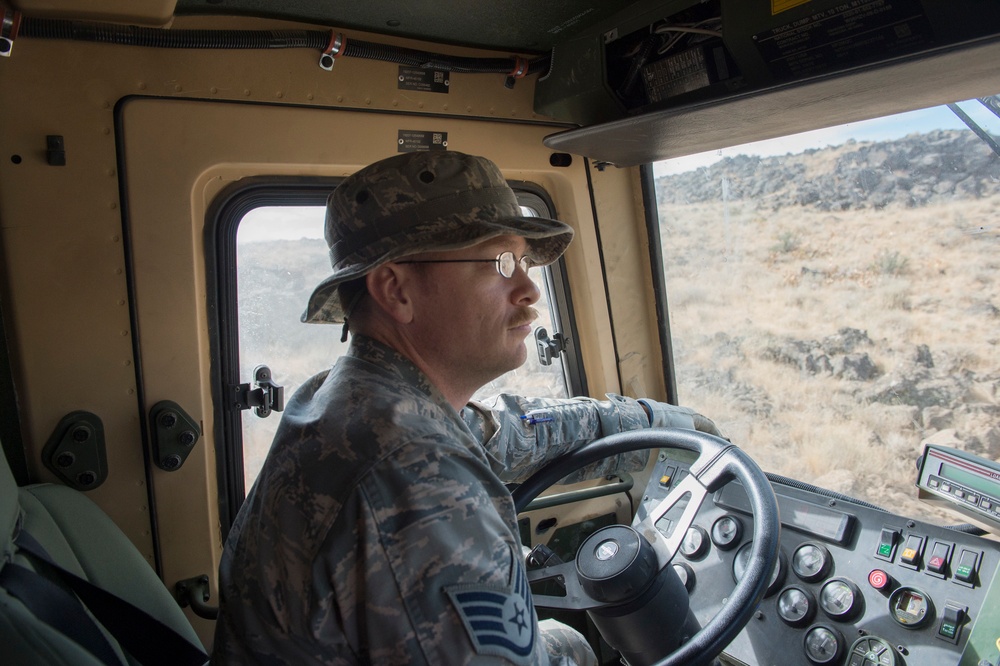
[(881, 581)]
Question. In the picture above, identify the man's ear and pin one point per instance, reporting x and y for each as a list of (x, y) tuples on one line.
[(388, 287)]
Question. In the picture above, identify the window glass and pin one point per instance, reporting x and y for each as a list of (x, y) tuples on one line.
[(833, 296), (281, 256)]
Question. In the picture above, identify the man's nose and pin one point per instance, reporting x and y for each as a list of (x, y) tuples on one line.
[(525, 291)]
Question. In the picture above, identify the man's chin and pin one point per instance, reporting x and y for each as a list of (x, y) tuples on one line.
[(516, 359), (522, 356)]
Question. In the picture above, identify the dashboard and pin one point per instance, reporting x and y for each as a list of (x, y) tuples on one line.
[(854, 585)]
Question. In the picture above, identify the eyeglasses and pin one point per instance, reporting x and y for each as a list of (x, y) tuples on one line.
[(505, 262)]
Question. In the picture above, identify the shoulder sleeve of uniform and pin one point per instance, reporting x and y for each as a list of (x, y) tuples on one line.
[(526, 433), (499, 619)]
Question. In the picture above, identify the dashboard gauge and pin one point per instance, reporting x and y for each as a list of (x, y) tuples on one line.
[(685, 573), (796, 606), (811, 562), (742, 560), (910, 607), (823, 644), (726, 532), (873, 650), (695, 543), (841, 599)]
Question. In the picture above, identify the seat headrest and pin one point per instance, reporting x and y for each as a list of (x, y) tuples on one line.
[(10, 509)]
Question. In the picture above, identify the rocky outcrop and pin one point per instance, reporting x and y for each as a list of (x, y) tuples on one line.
[(914, 171), (934, 398)]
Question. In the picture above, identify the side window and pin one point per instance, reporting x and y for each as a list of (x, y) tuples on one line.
[(280, 257)]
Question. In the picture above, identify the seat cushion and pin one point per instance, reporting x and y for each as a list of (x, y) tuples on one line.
[(82, 539)]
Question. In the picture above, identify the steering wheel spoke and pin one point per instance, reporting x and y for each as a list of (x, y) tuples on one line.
[(564, 575), (667, 547)]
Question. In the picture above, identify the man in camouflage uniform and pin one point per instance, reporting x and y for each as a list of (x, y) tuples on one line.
[(380, 530)]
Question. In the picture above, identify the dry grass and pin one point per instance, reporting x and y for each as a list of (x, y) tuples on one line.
[(740, 281)]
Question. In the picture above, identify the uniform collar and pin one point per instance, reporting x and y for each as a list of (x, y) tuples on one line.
[(394, 363)]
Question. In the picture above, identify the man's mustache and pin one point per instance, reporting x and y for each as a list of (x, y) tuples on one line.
[(526, 316)]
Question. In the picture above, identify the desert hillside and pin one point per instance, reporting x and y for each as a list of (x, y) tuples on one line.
[(912, 172), (834, 309)]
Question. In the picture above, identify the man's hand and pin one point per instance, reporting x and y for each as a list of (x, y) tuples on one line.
[(664, 415)]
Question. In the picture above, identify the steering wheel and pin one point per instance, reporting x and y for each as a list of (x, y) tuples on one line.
[(718, 463)]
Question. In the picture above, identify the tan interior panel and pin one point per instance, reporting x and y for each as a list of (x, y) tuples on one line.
[(211, 145)]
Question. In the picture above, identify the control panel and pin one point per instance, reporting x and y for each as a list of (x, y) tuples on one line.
[(962, 481), (853, 584)]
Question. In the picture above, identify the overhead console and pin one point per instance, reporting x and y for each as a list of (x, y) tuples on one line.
[(638, 73)]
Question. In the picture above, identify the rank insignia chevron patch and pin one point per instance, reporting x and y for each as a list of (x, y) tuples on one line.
[(500, 622)]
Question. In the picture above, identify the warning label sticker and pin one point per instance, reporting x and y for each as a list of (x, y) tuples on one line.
[(778, 6), (851, 33), (424, 80), (414, 141)]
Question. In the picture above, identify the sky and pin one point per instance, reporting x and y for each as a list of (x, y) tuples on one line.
[(292, 223), (281, 223)]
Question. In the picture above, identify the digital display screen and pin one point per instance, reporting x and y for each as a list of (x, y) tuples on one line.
[(969, 480)]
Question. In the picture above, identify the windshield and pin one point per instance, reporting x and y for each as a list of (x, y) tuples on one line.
[(833, 297)]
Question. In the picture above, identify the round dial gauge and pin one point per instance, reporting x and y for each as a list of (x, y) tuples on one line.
[(823, 645), (811, 562), (840, 599), (726, 532), (685, 573), (796, 606), (695, 543), (742, 561)]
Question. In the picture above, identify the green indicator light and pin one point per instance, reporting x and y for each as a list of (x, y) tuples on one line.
[(948, 630), (885, 549), (965, 571)]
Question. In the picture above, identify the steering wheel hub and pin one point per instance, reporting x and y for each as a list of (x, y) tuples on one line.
[(616, 564)]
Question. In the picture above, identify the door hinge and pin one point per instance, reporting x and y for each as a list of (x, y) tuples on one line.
[(265, 396), (174, 433)]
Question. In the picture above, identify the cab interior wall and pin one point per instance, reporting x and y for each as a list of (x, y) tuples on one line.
[(105, 290), (106, 296)]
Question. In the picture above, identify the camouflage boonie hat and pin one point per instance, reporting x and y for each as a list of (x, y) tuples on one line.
[(419, 202)]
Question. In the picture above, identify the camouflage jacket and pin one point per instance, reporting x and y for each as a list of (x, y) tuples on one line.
[(380, 530)]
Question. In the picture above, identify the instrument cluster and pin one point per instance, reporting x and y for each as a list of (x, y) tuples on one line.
[(853, 584)]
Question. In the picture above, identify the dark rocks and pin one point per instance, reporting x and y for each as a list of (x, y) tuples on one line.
[(835, 355), (855, 367), (912, 172)]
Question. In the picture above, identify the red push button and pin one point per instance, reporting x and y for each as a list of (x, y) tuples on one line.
[(879, 579)]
